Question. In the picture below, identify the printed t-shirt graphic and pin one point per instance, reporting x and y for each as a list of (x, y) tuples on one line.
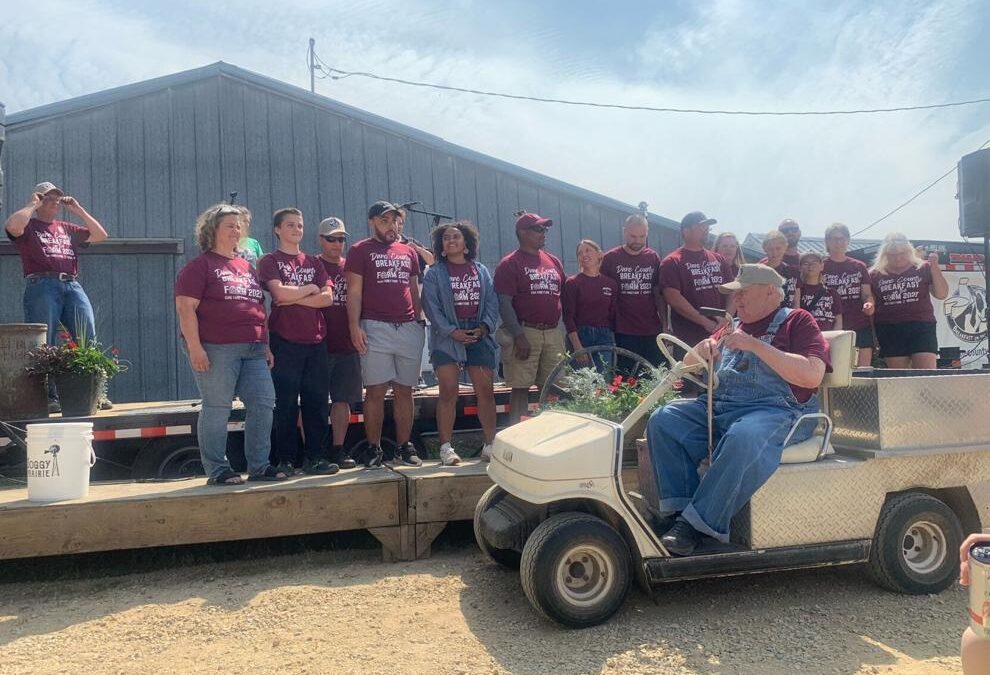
[(847, 279), (335, 316), (637, 276), (386, 270), (295, 323), (231, 303), (534, 282), (50, 247)]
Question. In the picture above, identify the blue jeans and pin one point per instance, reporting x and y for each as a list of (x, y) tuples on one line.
[(54, 302), (239, 369), (594, 336)]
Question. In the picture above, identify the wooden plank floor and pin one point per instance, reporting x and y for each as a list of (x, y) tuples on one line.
[(139, 515)]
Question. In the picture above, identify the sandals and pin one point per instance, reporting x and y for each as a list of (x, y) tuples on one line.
[(226, 477), (271, 473), (320, 467)]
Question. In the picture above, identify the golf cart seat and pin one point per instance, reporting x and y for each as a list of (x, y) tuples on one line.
[(842, 348)]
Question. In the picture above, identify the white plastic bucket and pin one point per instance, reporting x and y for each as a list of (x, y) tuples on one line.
[(59, 457)]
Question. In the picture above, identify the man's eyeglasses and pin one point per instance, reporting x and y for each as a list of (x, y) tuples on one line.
[(333, 240), (790, 229), (537, 228)]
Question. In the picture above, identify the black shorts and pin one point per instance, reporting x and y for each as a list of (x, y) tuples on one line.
[(345, 378), (907, 338), (864, 337)]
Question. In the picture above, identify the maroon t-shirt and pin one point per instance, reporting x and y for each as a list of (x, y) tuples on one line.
[(798, 334), (50, 247), (231, 303), (386, 270), (295, 323), (821, 302), (338, 329), (534, 282), (847, 278), (589, 301), (793, 259), (903, 297), (697, 275), (466, 284), (637, 276), (792, 276)]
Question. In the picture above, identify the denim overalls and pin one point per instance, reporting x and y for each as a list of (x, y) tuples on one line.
[(753, 411)]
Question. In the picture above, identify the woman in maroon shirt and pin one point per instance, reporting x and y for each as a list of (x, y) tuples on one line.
[(904, 317), (588, 304), (727, 246), (221, 309)]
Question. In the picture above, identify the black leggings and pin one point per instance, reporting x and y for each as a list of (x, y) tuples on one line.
[(302, 382)]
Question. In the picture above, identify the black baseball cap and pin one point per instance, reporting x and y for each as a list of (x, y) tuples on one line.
[(380, 208), (696, 218)]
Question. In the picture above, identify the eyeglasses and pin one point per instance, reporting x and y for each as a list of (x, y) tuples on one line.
[(333, 240), (809, 263), (785, 230), (537, 228)]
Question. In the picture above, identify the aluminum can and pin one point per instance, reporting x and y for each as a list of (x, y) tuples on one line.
[(979, 589)]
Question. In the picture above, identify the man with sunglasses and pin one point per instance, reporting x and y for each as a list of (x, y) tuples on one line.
[(792, 232), (48, 250), (345, 363), (385, 320), (528, 282)]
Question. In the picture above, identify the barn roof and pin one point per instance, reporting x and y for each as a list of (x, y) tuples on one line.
[(221, 69)]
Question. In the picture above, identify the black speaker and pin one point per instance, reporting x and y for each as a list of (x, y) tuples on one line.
[(974, 194)]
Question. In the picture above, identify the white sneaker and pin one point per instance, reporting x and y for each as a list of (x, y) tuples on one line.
[(486, 452), (447, 455)]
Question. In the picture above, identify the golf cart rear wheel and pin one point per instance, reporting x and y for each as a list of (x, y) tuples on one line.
[(500, 556), (576, 569), (914, 549)]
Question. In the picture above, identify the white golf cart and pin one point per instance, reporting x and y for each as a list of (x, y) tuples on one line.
[(898, 471)]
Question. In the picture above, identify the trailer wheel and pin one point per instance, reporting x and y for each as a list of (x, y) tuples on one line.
[(576, 569), (914, 549), (500, 556), (168, 459)]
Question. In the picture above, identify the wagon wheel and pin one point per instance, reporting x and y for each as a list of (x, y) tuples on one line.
[(611, 362)]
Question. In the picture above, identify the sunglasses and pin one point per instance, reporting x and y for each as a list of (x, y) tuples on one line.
[(537, 228), (790, 229), (333, 240)]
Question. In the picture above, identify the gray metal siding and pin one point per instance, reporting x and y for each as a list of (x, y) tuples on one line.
[(146, 165)]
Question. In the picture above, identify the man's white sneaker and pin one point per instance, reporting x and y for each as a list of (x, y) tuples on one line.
[(486, 452), (447, 455)]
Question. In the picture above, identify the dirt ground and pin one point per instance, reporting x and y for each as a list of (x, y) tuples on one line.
[(324, 611)]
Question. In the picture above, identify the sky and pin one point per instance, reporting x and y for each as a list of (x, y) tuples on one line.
[(748, 172)]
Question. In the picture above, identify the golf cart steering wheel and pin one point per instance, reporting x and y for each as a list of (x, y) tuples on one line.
[(611, 360), (664, 338)]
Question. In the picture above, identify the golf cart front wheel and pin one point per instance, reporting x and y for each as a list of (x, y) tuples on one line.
[(500, 556), (914, 549), (576, 569)]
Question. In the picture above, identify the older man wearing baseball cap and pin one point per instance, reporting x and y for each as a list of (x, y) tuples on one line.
[(769, 363), (528, 282), (48, 248)]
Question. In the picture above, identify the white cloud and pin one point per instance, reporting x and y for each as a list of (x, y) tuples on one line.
[(749, 172)]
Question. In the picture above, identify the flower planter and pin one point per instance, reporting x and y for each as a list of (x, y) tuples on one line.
[(79, 393)]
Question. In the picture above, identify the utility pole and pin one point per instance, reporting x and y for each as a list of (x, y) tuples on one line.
[(311, 59)]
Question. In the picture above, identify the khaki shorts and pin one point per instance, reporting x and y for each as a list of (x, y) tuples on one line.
[(546, 349)]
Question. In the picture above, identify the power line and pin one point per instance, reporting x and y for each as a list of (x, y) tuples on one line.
[(337, 74), (915, 195)]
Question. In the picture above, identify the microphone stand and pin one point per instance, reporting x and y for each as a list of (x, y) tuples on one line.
[(436, 216)]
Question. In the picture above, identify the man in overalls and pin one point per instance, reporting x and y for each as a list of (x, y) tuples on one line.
[(769, 364)]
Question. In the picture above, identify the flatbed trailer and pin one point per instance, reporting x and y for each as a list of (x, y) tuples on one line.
[(157, 439)]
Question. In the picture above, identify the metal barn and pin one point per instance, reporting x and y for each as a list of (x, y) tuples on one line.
[(146, 158)]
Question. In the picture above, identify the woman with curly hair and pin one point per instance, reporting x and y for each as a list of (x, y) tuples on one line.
[(904, 317), (221, 308), (459, 300)]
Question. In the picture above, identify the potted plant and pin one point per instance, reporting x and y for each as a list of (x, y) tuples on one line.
[(80, 369)]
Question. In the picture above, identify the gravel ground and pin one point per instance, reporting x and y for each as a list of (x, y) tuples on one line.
[(326, 612)]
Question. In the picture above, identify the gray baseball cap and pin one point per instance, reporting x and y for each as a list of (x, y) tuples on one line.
[(753, 275), (332, 225), (45, 187)]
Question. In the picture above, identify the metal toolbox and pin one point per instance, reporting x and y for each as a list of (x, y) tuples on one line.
[(891, 410)]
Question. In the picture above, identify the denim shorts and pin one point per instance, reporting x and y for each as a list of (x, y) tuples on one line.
[(481, 353)]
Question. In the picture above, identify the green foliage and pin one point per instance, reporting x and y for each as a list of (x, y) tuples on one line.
[(70, 356), (590, 393)]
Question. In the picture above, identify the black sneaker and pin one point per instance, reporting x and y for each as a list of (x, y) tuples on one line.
[(681, 539), (286, 468), (342, 458), (406, 454), (320, 467), (54, 406), (373, 457)]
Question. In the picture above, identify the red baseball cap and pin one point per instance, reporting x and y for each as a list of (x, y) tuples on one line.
[(527, 220)]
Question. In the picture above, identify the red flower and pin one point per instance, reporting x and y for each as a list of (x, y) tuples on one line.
[(679, 385), (72, 344), (632, 381), (617, 381), (64, 335), (114, 351)]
